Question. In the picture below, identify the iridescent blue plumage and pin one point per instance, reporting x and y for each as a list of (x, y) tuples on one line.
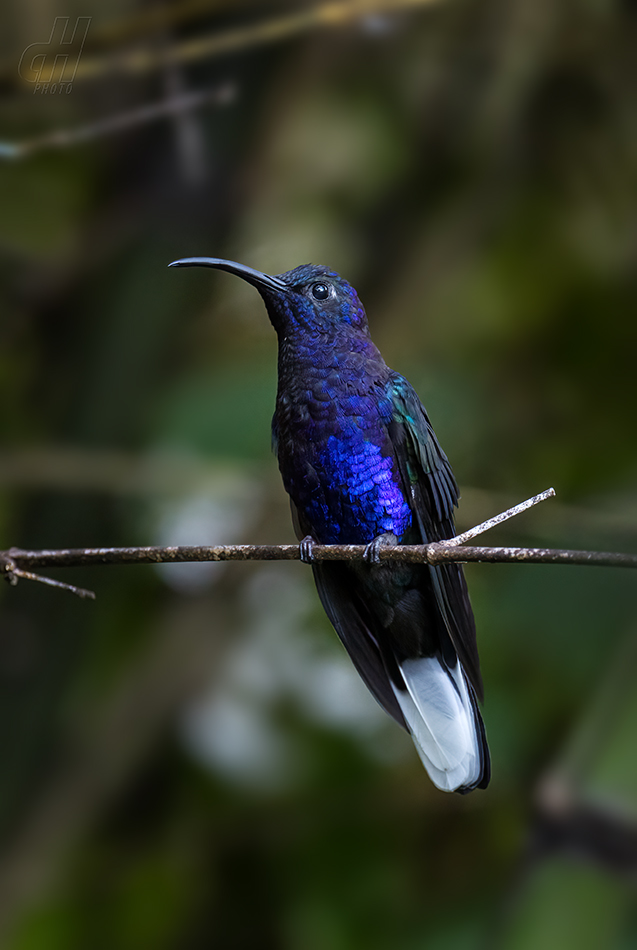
[(361, 464)]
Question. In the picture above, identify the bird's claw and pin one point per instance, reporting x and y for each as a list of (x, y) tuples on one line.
[(305, 549), (371, 553)]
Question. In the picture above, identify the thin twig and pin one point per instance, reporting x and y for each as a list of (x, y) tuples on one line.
[(503, 516), (65, 138), (29, 576), (12, 572)]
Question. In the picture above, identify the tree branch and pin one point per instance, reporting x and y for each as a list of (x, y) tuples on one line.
[(503, 516), (15, 561), (12, 572), (176, 105), (331, 14), (439, 552)]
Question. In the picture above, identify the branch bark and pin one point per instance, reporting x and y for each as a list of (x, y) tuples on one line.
[(15, 562), (439, 552)]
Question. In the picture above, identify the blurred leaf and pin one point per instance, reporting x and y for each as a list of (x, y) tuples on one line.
[(565, 904), (43, 203), (225, 412)]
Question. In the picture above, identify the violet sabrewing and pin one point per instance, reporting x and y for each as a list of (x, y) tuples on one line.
[(362, 465)]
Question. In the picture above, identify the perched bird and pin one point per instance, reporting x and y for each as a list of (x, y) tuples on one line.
[(362, 465)]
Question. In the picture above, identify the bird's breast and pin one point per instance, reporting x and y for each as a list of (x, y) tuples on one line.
[(335, 455)]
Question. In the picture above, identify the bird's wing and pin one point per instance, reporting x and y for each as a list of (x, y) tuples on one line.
[(428, 479)]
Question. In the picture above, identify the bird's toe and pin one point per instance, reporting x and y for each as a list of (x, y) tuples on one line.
[(372, 550), (305, 549)]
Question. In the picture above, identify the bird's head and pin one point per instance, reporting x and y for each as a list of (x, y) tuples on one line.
[(311, 296)]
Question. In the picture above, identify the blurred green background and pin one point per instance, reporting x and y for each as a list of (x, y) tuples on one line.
[(190, 761)]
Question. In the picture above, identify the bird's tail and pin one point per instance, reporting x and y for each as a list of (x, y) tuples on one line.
[(441, 711)]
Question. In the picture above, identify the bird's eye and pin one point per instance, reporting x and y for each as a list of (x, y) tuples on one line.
[(320, 291)]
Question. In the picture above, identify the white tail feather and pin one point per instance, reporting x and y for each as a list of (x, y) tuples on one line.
[(438, 710)]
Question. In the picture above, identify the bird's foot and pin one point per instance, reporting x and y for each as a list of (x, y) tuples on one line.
[(371, 554), (305, 549)]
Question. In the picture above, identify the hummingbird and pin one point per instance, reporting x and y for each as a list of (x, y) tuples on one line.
[(362, 465)]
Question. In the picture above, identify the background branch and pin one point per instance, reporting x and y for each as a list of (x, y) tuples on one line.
[(330, 15), (176, 105)]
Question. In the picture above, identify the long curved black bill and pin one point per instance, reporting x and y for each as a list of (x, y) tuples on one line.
[(254, 277)]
